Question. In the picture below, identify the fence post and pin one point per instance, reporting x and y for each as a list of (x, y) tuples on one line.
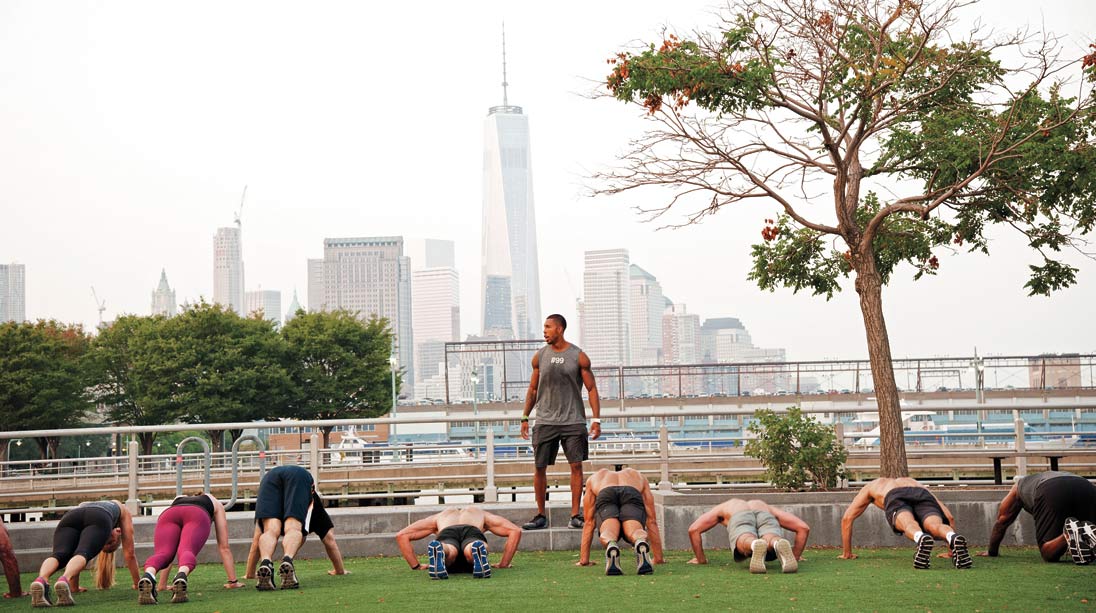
[(490, 492), (132, 503), (664, 457), (314, 459), (1021, 447)]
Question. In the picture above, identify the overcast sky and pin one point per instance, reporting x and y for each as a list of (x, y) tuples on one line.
[(128, 130)]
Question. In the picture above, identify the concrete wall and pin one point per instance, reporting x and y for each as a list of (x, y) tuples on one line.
[(370, 531)]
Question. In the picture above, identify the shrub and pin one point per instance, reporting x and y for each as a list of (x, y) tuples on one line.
[(797, 452)]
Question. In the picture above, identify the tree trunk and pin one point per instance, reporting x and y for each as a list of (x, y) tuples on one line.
[(4, 451), (147, 439), (216, 440), (326, 430), (47, 446), (892, 444)]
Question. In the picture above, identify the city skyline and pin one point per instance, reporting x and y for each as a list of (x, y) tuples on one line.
[(91, 156)]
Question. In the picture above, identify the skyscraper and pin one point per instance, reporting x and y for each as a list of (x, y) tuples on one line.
[(315, 285), (228, 269), (13, 292), (267, 302), (435, 317), (510, 273), (163, 298), (647, 306), (372, 277), (294, 306), (605, 324)]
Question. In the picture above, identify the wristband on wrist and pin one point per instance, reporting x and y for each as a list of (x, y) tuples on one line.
[(595, 420), (417, 566), (524, 418), (233, 580)]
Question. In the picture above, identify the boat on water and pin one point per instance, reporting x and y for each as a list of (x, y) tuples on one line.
[(921, 429)]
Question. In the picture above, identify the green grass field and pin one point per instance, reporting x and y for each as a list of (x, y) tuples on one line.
[(879, 580)]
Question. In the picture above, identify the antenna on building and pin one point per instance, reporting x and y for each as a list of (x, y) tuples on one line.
[(100, 304), (240, 212), (505, 102)]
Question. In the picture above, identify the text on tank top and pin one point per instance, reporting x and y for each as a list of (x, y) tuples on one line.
[(559, 388), (110, 507), (1028, 488), (202, 501)]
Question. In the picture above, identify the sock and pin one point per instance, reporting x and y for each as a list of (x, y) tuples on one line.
[(287, 559), (41, 579), (266, 562), (612, 544), (950, 536), (917, 536), (63, 578)]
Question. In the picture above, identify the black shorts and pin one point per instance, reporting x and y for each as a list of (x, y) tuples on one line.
[(1059, 498), (460, 536), (285, 491), (916, 500), (621, 502), (547, 438), (82, 531)]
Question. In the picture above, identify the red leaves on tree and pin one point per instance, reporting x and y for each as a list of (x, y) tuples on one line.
[(770, 231), (1090, 59)]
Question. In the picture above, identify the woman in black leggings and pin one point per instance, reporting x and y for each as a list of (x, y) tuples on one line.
[(91, 529)]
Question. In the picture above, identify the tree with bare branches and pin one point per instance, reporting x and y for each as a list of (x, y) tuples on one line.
[(919, 138)]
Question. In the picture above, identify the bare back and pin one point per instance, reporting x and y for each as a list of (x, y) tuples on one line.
[(879, 488), (726, 509), (606, 478), (465, 516)]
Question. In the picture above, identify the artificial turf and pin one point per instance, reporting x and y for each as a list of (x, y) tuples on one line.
[(879, 580)]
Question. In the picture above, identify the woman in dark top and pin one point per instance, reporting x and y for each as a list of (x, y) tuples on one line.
[(182, 530)]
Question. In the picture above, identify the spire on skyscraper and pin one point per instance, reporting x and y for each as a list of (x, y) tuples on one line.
[(505, 102)]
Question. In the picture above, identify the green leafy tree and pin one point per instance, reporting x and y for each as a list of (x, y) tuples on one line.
[(797, 451), (43, 379), (137, 365), (340, 366), (816, 107), (227, 368)]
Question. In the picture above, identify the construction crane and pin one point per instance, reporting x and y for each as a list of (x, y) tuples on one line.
[(240, 212), (101, 304)]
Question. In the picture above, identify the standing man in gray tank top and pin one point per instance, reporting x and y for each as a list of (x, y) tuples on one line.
[(560, 369)]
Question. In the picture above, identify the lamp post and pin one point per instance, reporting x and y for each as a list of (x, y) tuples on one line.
[(394, 363), (475, 407), (978, 366)]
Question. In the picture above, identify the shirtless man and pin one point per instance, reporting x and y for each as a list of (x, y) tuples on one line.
[(616, 502), (461, 545), (757, 532), (911, 510)]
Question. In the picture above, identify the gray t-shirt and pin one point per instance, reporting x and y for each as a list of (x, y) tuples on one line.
[(559, 389), (1028, 489)]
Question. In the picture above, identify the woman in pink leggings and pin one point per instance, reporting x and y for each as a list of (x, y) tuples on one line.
[(182, 530)]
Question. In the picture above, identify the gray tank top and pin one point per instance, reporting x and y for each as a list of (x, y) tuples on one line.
[(559, 389), (109, 507), (1029, 486)]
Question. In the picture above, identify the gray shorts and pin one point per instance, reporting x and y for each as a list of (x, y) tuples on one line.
[(754, 523)]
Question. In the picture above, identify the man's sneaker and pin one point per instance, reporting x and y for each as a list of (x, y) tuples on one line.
[(537, 523), (179, 589), (757, 560), (576, 522), (39, 595), (923, 557), (64, 594), (481, 567), (1088, 533), (643, 558), (788, 563), (435, 553), (265, 574), (612, 560), (146, 589), (288, 575), (1076, 543), (959, 554)]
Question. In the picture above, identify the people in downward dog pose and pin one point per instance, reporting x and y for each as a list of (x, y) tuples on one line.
[(620, 505)]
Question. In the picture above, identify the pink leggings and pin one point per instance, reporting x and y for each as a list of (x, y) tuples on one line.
[(183, 529)]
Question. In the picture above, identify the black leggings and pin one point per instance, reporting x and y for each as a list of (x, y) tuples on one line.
[(82, 531)]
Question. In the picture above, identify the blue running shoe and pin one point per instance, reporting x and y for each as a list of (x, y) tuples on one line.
[(436, 554), (481, 568)]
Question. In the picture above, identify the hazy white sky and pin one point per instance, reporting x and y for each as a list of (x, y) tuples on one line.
[(128, 130)]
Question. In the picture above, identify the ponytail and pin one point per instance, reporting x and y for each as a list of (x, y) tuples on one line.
[(104, 570)]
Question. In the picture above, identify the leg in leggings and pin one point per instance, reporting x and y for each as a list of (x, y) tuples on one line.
[(196, 527), (165, 540)]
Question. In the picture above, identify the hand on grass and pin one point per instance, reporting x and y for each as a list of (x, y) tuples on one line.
[(986, 554), (946, 554), (851, 556), (501, 566), (696, 561), (10, 595), (581, 563), (81, 590), (234, 585), (334, 572)]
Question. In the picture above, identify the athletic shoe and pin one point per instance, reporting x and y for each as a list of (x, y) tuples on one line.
[(1088, 533), (757, 560), (612, 560), (179, 589), (1077, 544), (537, 523), (788, 563), (643, 558), (481, 567), (923, 557), (146, 589), (39, 595), (64, 594), (266, 576), (576, 522), (959, 554), (288, 575), (436, 554)]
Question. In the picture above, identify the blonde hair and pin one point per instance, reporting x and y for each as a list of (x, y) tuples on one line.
[(104, 570)]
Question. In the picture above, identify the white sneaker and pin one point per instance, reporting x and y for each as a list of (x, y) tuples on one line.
[(757, 560), (788, 563)]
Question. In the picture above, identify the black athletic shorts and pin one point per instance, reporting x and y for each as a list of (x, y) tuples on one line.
[(460, 536), (285, 491), (547, 438), (1059, 498), (916, 500), (81, 531), (619, 502)]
